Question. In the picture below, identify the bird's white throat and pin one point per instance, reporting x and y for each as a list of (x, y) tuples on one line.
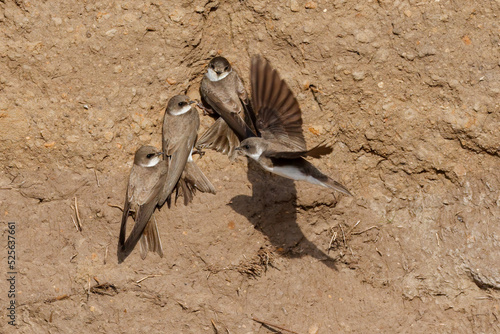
[(181, 111), (256, 155), (212, 75), (153, 162)]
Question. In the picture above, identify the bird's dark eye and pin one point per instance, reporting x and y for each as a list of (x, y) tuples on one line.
[(226, 68), (150, 155), (212, 66), (182, 103), (246, 147)]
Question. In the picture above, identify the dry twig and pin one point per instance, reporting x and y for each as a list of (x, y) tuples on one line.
[(369, 228), (96, 178), (74, 222), (105, 255), (51, 300), (267, 324), (145, 278), (343, 235), (115, 206), (77, 214), (88, 290), (332, 239), (352, 228)]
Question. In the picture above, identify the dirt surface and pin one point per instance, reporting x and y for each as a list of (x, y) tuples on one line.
[(409, 92)]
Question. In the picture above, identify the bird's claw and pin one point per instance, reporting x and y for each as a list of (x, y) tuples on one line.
[(206, 110)]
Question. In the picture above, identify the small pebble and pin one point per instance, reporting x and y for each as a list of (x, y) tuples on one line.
[(460, 170), (313, 329), (72, 139), (57, 21), (130, 17), (111, 32), (176, 15), (311, 5), (294, 6), (358, 75), (145, 138), (108, 136), (306, 84), (364, 36)]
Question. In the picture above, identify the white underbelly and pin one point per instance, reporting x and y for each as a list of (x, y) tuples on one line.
[(293, 173)]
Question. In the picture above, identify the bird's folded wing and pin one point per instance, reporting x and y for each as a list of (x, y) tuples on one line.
[(228, 110), (145, 209)]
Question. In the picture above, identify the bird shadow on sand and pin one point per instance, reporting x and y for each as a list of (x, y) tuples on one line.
[(272, 211)]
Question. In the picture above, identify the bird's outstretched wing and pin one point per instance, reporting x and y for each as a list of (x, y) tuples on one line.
[(277, 110)]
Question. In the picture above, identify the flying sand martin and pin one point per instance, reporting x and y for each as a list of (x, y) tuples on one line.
[(146, 180), (222, 89), (180, 130), (281, 147)]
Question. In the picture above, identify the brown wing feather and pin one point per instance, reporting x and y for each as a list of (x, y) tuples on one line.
[(150, 239), (219, 137), (278, 112), (250, 118), (192, 179), (175, 167), (176, 154), (142, 216), (227, 108), (123, 230)]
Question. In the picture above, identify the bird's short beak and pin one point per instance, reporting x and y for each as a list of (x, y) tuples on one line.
[(159, 153), (238, 148), (191, 102)]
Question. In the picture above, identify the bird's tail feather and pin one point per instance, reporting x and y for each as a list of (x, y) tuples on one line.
[(150, 239), (192, 179), (330, 183), (194, 175)]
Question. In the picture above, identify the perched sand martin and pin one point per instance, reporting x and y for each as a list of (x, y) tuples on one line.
[(222, 89), (180, 127), (145, 184), (281, 147)]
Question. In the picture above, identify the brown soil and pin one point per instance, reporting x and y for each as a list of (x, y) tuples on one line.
[(409, 91)]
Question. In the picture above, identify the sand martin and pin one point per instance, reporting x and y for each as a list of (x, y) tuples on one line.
[(222, 89), (145, 184), (180, 126), (281, 147)]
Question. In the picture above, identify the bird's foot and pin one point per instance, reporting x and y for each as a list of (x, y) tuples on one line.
[(206, 110)]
